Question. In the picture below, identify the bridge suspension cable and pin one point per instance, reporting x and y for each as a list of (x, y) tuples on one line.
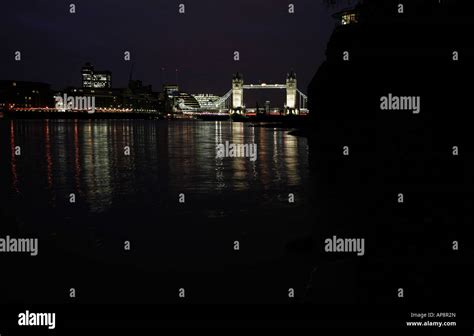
[(223, 99), (303, 100)]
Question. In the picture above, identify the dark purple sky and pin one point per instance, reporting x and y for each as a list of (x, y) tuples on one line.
[(55, 44)]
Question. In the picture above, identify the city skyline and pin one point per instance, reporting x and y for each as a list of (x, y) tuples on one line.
[(270, 42), (39, 96)]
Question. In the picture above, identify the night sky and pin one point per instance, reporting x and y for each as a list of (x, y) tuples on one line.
[(55, 44)]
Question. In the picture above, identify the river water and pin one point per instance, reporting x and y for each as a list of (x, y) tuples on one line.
[(149, 206)]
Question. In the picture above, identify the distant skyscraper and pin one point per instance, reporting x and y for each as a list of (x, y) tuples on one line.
[(95, 79)]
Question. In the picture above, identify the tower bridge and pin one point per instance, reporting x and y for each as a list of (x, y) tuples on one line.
[(233, 100)]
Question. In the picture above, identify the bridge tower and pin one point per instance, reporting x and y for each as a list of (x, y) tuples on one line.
[(290, 107), (238, 94)]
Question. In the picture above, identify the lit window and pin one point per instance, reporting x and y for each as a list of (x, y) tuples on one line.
[(349, 18)]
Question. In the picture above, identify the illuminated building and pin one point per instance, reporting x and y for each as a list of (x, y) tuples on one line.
[(347, 17), (206, 101), (182, 101), (175, 101), (104, 98), (92, 78)]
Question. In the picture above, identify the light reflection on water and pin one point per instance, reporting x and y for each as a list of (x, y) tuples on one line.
[(88, 158), (135, 197)]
